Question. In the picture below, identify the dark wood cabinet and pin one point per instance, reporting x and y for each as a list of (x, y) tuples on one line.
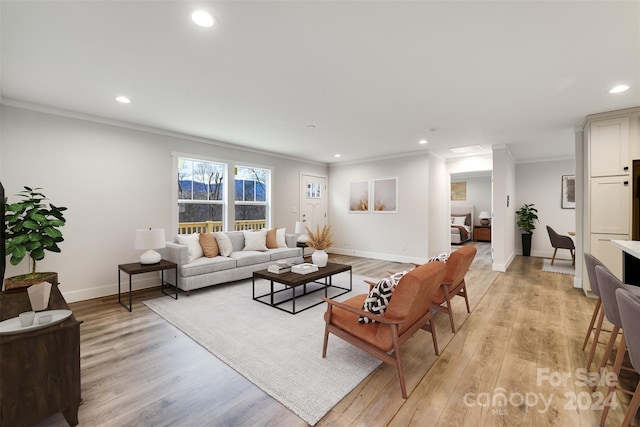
[(482, 233), (39, 370)]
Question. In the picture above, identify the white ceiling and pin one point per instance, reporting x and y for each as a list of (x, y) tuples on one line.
[(372, 76)]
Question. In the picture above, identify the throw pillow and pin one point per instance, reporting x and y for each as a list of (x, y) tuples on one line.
[(255, 240), (443, 257), (380, 296), (280, 239), (209, 245), (271, 239), (224, 244), (459, 220), (192, 241)]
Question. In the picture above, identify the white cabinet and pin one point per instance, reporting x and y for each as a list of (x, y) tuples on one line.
[(607, 252), (610, 205), (609, 147)]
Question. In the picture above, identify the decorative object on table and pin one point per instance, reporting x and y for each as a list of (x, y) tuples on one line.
[(527, 216), (31, 227), (148, 240), (320, 240), (26, 318), (281, 266), (485, 218), (301, 231), (305, 268), (39, 296), (568, 192)]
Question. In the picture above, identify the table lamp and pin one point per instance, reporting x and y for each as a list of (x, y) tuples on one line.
[(301, 231), (147, 240), (485, 218)]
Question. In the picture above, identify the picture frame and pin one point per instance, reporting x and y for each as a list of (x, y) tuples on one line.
[(459, 190), (359, 197), (568, 198), (385, 195)]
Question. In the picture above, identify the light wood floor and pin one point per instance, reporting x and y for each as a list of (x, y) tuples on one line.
[(138, 370)]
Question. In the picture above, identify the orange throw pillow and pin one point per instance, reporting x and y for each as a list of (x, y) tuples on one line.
[(209, 245), (271, 239)]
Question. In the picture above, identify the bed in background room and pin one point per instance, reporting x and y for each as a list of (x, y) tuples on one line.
[(461, 224)]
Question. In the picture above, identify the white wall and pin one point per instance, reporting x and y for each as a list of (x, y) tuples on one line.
[(402, 236), (113, 180), (439, 218), (541, 184), (502, 225)]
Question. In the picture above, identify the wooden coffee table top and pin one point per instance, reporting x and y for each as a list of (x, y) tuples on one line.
[(295, 279)]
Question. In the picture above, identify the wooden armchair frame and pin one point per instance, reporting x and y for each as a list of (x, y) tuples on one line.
[(392, 355)]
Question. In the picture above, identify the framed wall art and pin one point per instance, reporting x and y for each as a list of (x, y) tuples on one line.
[(459, 190), (568, 192), (385, 195), (359, 197)]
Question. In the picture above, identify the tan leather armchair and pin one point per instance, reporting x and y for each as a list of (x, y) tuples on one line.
[(408, 311), (453, 283)]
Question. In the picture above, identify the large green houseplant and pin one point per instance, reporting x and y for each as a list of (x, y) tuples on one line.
[(32, 228), (527, 217)]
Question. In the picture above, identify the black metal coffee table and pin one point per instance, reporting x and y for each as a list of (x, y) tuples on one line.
[(298, 285)]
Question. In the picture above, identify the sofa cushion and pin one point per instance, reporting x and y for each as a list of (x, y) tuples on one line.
[(192, 241), (255, 240), (245, 258), (204, 265), (209, 245), (284, 253), (281, 242), (271, 238), (224, 244), (237, 240)]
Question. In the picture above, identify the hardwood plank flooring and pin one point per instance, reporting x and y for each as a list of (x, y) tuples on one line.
[(138, 370)]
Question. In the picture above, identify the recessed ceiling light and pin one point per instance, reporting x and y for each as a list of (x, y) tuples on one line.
[(619, 88), (202, 18), (422, 141), (337, 155), (312, 126), (123, 99)]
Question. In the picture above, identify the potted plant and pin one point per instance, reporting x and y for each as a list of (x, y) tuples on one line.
[(320, 240), (31, 228), (527, 216)]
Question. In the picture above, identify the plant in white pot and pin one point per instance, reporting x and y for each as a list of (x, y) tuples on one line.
[(31, 228), (320, 241)]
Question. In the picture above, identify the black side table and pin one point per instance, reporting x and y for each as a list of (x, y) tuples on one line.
[(137, 268)]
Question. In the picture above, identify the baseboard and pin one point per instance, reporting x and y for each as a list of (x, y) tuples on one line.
[(110, 289), (375, 255)]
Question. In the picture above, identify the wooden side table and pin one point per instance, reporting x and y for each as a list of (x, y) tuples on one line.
[(137, 268), (482, 233), (39, 370)]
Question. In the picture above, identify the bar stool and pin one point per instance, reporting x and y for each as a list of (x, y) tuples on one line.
[(629, 307), (590, 263)]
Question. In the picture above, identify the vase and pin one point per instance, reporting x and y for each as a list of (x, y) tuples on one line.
[(319, 258)]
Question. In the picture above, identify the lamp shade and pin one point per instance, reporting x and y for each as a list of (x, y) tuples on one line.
[(301, 231), (147, 240), (484, 215)]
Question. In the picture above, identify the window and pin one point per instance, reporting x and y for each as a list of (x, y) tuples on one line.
[(252, 197), (201, 195)]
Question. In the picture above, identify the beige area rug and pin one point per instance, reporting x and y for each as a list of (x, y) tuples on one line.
[(562, 266), (279, 352)]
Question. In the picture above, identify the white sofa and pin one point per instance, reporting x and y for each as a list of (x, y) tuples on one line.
[(240, 264)]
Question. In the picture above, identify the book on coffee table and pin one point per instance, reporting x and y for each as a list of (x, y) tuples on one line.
[(305, 268)]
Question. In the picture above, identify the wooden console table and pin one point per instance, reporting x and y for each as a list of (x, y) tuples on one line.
[(39, 370)]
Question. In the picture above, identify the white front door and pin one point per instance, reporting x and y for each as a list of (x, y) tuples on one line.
[(313, 201)]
